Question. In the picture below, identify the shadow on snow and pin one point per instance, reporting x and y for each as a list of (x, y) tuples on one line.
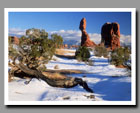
[(111, 88)]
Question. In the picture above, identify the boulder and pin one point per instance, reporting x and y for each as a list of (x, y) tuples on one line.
[(85, 39), (110, 34)]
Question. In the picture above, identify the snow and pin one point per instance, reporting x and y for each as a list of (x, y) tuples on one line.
[(108, 83), (101, 66)]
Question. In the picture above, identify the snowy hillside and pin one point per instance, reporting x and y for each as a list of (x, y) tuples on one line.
[(108, 83)]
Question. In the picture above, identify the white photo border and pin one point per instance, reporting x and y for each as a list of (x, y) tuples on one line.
[(133, 62)]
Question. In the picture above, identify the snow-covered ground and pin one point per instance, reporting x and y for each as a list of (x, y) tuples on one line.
[(108, 83)]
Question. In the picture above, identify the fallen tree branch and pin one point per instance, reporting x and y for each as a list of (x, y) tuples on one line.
[(67, 82)]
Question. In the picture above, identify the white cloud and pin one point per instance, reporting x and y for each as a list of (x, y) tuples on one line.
[(95, 37), (125, 39), (73, 35), (68, 34), (76, 35), (16, 31)]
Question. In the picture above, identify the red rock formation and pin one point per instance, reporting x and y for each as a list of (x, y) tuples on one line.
[(15, 40), (82, 26), (85, 39), (111, 35)]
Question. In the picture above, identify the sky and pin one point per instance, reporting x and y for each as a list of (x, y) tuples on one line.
[(67, 23)]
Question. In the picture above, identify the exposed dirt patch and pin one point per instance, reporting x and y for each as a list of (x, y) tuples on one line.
[(65, 71), (63, 51), (54, 76)]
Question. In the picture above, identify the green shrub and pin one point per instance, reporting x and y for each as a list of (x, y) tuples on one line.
[(100, 51), (82, 54), (12, 51), (120, 55), (9, 40), (33, 47)]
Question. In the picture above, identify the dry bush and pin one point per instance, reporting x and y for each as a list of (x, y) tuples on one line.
[(100, 51), (120, 56)]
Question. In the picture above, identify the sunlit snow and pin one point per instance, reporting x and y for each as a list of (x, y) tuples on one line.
[(108, 83)]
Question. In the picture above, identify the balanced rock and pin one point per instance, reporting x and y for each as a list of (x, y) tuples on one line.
[(85, 39), (82, 26), (110, 34)]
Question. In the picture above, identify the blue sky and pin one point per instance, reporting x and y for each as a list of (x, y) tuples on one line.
[(55, 21)]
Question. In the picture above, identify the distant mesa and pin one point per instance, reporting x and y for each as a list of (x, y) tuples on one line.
[(110, 35), (85, 39)]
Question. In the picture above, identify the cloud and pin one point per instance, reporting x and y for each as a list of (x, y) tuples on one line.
[(95, 37), (74, 36), (69, 35), (125, 40), (15, 31)]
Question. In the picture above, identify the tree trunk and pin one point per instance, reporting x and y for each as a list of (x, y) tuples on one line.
[(67, 82)]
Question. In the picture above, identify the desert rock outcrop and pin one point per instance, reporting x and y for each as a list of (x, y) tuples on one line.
[(85, 39), (110, 34), (15, 40)]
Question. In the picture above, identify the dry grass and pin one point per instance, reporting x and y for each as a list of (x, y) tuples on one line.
[(59, 74), (54, 76), (65, 71), (63, 51)]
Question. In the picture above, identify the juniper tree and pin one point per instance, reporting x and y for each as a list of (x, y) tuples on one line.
[(34, 50), (120, 56), (58, 40), (82, 54)]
